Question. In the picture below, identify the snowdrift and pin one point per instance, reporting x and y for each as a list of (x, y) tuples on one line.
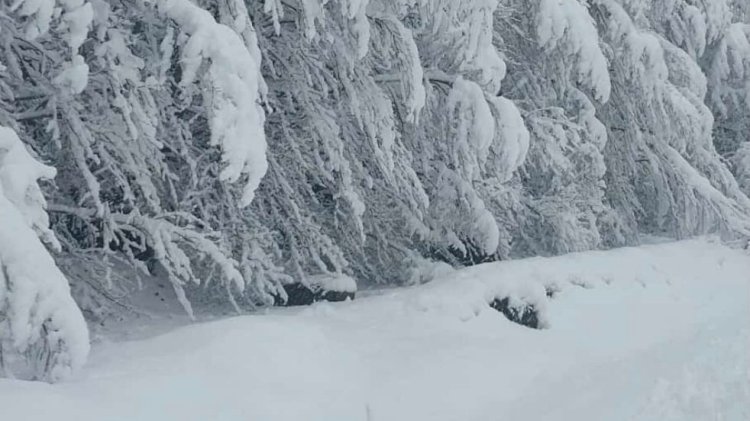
[(656, 332)]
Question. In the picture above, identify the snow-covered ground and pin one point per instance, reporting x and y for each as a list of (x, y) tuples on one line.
[(660, 332)]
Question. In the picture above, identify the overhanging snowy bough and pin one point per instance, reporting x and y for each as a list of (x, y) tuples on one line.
[(42, 332)]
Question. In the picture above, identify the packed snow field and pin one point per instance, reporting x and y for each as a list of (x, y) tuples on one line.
[(659, 332)]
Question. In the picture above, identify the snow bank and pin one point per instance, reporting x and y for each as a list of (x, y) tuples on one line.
[(536, 281), (658, 332)]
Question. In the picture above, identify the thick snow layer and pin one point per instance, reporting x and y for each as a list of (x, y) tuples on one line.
[(659, 332), (333, 282)]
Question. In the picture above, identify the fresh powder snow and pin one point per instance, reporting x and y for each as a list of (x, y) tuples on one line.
[(659, 332)]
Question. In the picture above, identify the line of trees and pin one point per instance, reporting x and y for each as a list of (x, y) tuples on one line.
[(234, 146)]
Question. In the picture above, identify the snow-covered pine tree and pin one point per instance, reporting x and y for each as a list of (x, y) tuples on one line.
[(153, 126), (231, 147), (557, 74), (468, 142), (726, 63), (664, 175), (42, 331), (335, 161)]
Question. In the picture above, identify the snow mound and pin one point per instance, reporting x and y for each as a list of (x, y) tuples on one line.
[(535, 281), (333, 282)]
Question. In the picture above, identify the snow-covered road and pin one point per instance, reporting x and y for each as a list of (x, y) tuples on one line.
[(653, 333)]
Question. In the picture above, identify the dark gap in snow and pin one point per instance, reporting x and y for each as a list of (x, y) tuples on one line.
[(335, 296), (301, 295), (524, 314)]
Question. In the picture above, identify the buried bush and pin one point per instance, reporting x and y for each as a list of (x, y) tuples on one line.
[(517, 311), (331, 288)]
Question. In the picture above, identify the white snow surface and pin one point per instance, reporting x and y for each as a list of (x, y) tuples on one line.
[(333, 282), (659, 332)]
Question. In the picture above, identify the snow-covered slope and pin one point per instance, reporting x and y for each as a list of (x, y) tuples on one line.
[(660, 332)]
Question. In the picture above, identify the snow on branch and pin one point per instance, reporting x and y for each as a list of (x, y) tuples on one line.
[(355, 11), (641, 50), (475, 123), (75, 20), (479, 51), (395, 42), (511, 135), (314, 11), (40, 324), (171, 244), (567, 24), (488, 123), (732, 214), (731, 62), (413, 74), (236, 115)]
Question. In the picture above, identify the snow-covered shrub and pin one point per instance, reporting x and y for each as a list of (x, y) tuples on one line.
[(423, 270), (42, 332), (323, 287), (664, 175), (557, 75), (517, 311), (727, 69)]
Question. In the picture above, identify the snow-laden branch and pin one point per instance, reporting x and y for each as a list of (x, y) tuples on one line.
[(314, 12), (38, 317), (75, 18), (567, 24), (731, 63), (511, 136), (75, 15), (236, 114)]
